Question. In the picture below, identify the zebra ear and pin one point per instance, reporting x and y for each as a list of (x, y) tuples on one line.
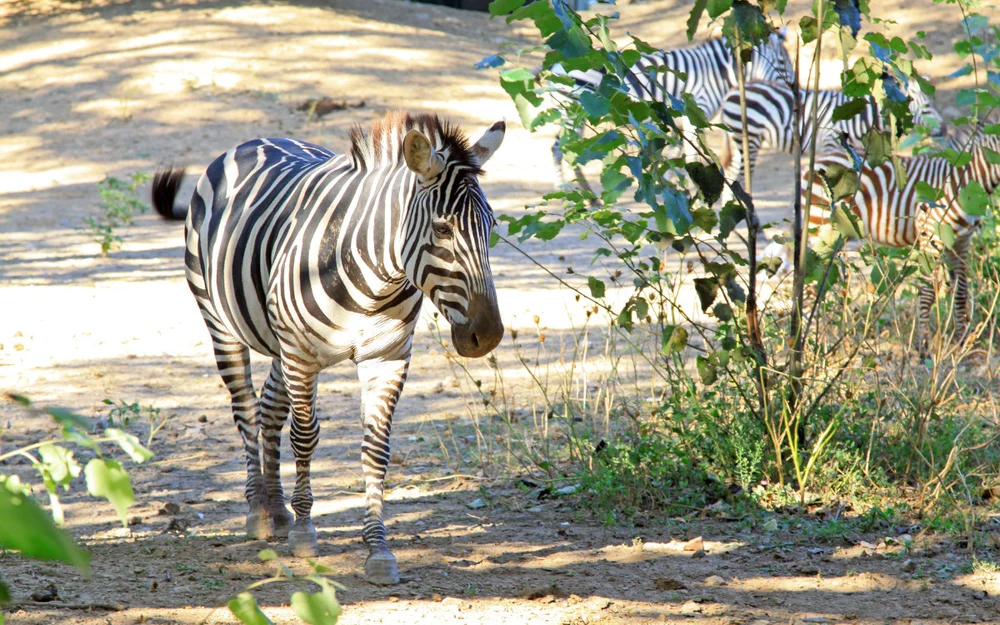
[(420, 155), (489, 142)]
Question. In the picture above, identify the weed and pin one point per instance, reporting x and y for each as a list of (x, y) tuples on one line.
[(119, 203)]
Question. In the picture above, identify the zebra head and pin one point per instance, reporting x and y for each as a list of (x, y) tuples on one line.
[(447, 238), (770, 62), (922, 109)]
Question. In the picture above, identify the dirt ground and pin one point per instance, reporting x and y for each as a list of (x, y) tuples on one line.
[(96, 88)]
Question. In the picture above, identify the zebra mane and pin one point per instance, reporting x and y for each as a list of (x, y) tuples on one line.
[(382, 147)]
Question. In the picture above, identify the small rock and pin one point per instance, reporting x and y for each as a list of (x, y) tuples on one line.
[(568, 490), (136, 520), (668, 583), (170, 508), (690, 607), (476, 504), (868, 545), (909, 566), (878, 556), (695, 544), (455, 601), (698, 554), (49, 593), (771, 525), (203, 418), (714, 580)]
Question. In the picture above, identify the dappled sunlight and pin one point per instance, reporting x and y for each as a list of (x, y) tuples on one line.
[(28, 55)]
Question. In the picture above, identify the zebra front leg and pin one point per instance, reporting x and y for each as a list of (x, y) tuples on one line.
[(956, 257), (274, 412), (381, 384), (301, 388), (925, 300)]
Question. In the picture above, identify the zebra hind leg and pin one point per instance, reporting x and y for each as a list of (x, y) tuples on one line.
[(381, 383), (274, 412), (925, 300), (301, 389), (233, 360)]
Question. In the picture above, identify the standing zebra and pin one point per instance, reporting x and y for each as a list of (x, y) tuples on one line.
[(314, 258), (706, 72), (896, 217), (771, 120)]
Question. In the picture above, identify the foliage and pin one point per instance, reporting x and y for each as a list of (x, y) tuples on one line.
[(812, 389), (316, 608), (26, 528), (119, 203)]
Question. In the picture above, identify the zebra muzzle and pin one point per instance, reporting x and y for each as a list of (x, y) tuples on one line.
[(480, 334)]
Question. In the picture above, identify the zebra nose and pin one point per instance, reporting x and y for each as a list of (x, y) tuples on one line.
[(481, 333)]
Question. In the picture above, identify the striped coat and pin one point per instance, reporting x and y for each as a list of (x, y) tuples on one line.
[(771, 121), (895, 216), (314, 258)]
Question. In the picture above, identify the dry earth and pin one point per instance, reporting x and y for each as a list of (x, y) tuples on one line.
[(90, 89)]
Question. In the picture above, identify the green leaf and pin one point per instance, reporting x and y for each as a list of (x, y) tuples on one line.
[(503, 7), (245, 608), (694, 18), (107, 478), (60, 463), (596, 287), (130, 445), (693, 112), (946, 233), (708, 178), (707, 290), (849, 109), (516, 74), (28, 529), (724, 312), (718, 7), (729, 217), (706, 370), (674, 339), (927, 193), (973, 199), (266, 555), (321, 608), (594, 104)]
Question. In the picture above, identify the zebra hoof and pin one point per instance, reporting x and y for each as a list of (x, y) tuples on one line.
[(381, 569), (259, 526), (302, 540), (281, 522)]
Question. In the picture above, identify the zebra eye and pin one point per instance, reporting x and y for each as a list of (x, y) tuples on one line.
[(442, 230)]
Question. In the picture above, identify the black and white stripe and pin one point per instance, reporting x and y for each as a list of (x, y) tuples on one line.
[(707, 72), (771, 121), (894, 215), (314, 258)]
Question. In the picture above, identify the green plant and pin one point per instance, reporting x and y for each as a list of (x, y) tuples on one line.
[(119, 203), (315, 608), (127, 413), (27, 528), (807, 389)]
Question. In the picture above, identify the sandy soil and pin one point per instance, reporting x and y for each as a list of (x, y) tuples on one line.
[(101, 88)]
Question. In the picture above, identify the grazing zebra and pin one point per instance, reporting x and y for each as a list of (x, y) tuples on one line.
[(896, 217), (771, 120), (706, 72), (314, 258)]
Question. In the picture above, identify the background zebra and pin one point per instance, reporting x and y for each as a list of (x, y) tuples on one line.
[(314, 258), (709, 71), (771, 120), (895, 216)]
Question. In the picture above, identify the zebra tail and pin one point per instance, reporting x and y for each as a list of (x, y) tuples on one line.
[(165, 185)]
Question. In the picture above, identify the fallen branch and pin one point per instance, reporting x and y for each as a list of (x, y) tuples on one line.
[(21, 603)]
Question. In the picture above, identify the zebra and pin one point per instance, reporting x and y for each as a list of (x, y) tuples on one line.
[(771, 120), (706, 72), (314, 258), (895, 216)]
